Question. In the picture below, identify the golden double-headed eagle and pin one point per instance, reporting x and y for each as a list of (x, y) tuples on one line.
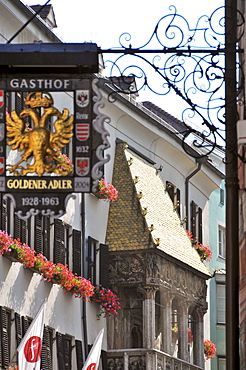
[(41, 146)]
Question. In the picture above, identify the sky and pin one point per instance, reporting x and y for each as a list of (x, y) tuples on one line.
[(102, 22)]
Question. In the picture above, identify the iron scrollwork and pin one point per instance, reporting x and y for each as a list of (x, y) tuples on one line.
[(190, 62)]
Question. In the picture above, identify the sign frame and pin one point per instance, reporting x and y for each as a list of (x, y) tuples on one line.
[(34, 194)]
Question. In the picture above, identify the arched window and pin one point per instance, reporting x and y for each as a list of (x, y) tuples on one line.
[(191, 332), (134, 313), (136, 337), (175, 325), (158, 315)]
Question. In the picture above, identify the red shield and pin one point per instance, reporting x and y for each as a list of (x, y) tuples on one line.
[(1, 165), (82, 131), (82, 166), (1, 98)]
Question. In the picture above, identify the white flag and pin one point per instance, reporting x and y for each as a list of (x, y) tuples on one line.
[(93, 358), (30, 348)]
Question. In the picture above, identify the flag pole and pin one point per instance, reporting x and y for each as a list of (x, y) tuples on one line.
[(12, 358)]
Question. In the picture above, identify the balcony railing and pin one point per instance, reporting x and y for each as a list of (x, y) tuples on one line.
[(145, 359)]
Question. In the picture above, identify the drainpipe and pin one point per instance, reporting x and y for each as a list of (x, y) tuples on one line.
[(84, 317), (199, 165)]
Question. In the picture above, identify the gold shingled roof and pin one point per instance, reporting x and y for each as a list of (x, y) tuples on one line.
[(129, 227)]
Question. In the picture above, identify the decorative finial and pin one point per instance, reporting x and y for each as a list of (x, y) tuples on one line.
[(151, 228), (144, 211), (130, 161), (139, 195)]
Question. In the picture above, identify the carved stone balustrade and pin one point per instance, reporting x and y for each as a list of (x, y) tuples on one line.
[(143, 359)]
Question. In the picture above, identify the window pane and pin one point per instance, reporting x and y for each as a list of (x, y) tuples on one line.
[(221, 303), (221, 241), (222, 364), (222, 196)]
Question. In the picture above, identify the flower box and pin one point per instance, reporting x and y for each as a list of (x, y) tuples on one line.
[(58, 274), (11, 255), (106, 191)]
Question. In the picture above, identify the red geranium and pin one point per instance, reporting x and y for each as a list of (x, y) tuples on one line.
[(209, 349), (107, 191), (204, 252), (190, 336), (109, 301), (59, 274), (5, 242)]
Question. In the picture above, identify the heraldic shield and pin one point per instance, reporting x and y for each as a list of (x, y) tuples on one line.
[(39, 145)]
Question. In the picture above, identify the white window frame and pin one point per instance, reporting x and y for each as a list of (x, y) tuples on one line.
[(220, 303), (221, 241)]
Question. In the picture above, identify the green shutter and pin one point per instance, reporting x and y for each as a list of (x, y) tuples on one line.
[(38, 235), (60, 351), (104, 265), (46, 363), (18, 331), (59, 248), (79, 354), (77, 253), (5, 340)]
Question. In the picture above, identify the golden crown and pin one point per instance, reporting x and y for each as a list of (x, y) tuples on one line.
[(36, 99)]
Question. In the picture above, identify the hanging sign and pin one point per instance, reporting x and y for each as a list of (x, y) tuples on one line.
[(52, 140)]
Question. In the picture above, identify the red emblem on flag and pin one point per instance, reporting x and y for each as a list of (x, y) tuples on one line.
[(1, 98), (91, 367), (32, 349), (82, 166), (1, 165), (82, 131)]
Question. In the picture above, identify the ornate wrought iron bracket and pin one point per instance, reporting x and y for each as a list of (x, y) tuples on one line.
[(190, 62)]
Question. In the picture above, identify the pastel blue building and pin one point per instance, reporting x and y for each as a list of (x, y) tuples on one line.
[(217, 282)]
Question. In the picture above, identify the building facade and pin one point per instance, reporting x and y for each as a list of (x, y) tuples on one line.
[(136, 246), (217, 268), (138, 231)]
